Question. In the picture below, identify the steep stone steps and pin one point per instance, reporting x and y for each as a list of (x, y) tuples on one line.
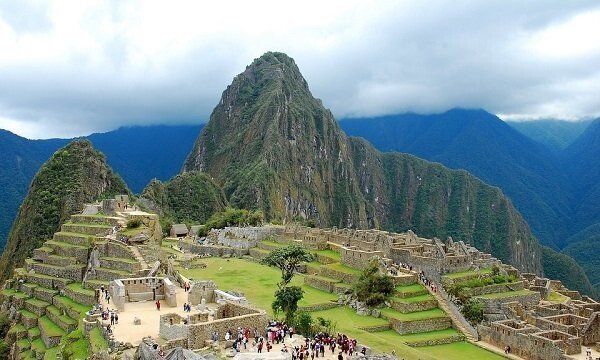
[(15, 333), (63, 321), (50, 332), (72, 238), (458, 322), (28, 288), (86, 229), (42, 253), (60, 248), (26, 355)]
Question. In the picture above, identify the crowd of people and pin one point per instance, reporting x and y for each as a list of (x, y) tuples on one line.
[(277, 332)]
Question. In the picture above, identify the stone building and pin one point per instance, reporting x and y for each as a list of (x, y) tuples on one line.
[(127, 290), (179, 230)]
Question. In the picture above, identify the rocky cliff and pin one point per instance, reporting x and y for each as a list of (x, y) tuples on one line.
[(272, 146), (74, 175)]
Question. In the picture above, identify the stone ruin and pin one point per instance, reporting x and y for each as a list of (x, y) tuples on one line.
[(127, 290)]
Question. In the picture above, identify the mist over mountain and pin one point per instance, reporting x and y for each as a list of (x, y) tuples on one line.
[(556, 134)]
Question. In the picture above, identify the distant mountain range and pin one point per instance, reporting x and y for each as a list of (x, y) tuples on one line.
[(138, 154), (557, 190)]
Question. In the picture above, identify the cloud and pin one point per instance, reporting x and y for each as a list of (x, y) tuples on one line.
[(70, 68)]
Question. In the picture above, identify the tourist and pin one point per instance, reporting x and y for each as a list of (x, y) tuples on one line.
[(260, 346), (158, 305), (284, 349), (340, 356), (363, 351), (269, 346), (112, 318), (227, 335), (117, 318)]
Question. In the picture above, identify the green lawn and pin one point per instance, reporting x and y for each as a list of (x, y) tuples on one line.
[(459, 351), (256, 281), (48, 327), (329, 253), (506, 294)]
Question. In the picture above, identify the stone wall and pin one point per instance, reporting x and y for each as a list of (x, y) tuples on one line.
[(357, 258), (200, 333), (494, 306), (419, 326), (201, 290), (523, 342), (212, 250), (495, 288), (142, 289)]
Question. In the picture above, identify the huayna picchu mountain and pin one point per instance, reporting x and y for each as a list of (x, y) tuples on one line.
[(74, 175), (272, 146)]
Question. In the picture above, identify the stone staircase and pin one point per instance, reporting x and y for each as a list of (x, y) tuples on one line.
[(458, 321)]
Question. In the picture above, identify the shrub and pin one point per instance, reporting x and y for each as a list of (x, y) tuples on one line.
[(373, 287), (134, 223), (472, 310)]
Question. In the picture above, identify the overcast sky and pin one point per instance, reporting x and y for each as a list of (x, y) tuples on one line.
[(70, 68)]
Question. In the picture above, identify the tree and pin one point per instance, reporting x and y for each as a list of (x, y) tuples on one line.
[(287, 259), (373, 287), (472, 310)]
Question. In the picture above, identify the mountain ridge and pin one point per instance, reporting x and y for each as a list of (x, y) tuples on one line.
[(268, 138)]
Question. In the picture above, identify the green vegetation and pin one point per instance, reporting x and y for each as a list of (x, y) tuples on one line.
[(133, 223), (460, 289), (287, 260), (417, 315), (459, 351), (48, 327), (373, 287), (190, 197), (506, 294), (74, 175), (557, 297), (469, 273), (75, 346), (97, 341), (473, 311), (562, 267)]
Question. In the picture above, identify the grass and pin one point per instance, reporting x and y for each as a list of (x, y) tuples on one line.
[(343, 268), (28, 314), (71, 304), (37, 302), (459, 351), (506, 294), (417, 315), (430, 335), (132, 232), (414, 299), (330, 253), (76, 287), (58, 313), (273, 243), (52, 353), (97, 341), (49, 328), (256, 281), (38, 346), (557, 298), (349, 317), (8, 292), (23, 344), (33, 332), (65, 245), (458, 275), (76, 346)]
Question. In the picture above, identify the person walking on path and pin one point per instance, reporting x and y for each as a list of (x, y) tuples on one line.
[(158, 305)]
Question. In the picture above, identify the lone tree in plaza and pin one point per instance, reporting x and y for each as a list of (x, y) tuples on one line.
[(287, 259)]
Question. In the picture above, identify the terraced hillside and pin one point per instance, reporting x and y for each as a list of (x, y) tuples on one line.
[(412, 325), (48, 297)]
